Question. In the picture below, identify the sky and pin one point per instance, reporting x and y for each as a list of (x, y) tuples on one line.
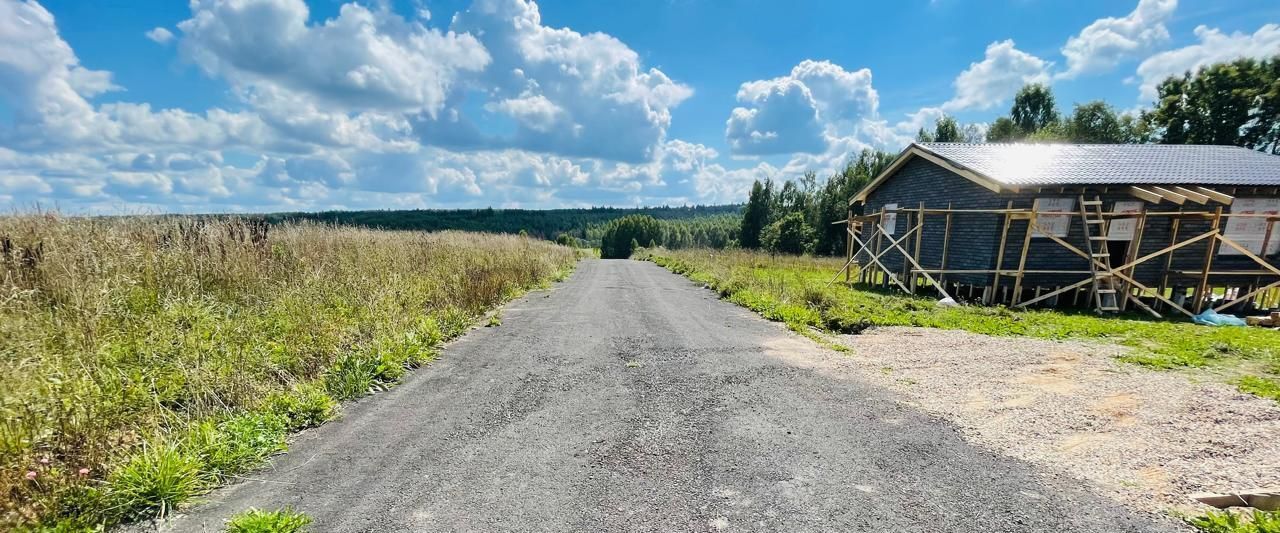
[(148, 106)]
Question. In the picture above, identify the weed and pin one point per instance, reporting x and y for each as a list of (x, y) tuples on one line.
[(304, 406), (1237, 522), (154, 482), (495, 320), (284, 520)]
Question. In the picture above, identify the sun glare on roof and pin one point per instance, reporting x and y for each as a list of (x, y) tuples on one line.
[(1023, 161)]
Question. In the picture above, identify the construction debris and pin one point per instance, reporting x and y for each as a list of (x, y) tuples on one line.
[(1266, 321), (1262, 499)]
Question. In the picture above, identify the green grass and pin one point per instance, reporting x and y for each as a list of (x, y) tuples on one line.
[(1237, 522), (144, 361), (795, 291), (284, 520)]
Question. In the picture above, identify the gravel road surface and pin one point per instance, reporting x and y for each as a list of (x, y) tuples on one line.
[(630, 399)]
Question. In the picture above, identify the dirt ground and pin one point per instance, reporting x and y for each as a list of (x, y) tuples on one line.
[(1150, 437)]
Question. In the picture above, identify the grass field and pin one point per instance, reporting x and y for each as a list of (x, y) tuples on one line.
[(795, 290), (146, 360)]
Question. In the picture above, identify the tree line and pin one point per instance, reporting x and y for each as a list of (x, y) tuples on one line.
[(620, 237), (1235, 103)]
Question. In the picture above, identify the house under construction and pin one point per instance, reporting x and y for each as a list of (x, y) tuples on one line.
[(1155, 227)]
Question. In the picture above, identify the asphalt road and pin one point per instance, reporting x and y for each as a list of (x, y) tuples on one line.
[(630, 399)]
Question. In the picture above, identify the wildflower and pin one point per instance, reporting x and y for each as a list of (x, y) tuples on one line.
[(44, 460), (84, 472), (31, 475)]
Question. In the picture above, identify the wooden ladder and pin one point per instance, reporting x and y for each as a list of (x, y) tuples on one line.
[(1105, 297)]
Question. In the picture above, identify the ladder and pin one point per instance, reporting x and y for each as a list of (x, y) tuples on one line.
[(1095, 240)]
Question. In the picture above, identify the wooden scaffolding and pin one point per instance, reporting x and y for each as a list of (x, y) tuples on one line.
[(1110, 284)]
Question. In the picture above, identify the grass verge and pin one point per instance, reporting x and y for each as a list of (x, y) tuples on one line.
[(795, 291), (143, 361)]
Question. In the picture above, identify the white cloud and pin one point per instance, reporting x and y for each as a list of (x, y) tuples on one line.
[(997, 77), (1106, 42), (160, 35), (361, 59), (802, 111), (1214, 46), (569, 94), (781, 118), (342, 113)]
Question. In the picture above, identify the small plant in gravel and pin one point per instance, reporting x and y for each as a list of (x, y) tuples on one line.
[(284, 520), (1237, 522)]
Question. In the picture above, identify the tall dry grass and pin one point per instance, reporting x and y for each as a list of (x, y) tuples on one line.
[(126, 339)]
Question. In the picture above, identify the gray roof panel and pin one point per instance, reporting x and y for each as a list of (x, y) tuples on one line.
[(1113, 164)]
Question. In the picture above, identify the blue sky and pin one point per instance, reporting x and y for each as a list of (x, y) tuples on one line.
[(262, 105)]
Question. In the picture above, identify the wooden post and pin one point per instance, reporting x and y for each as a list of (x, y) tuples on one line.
[(1168, 261), (879, 235), (1022, 261), (1200, 295), (1134, 246), (1004, 235), (906, 258), (946, 244), (1266, 238), (848, 244), (915, 253)]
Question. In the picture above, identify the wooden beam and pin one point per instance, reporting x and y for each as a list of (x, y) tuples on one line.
[(1200, 295), (1246, 296), (1247, 253), (1215, 195), (1169, 195), (1115, 272), (1022, 260), (1004, 236), (1192, 195), (1145, 194), (946, 244), (935, 283)]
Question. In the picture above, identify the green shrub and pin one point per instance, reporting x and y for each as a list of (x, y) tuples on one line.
[(284, 520), (154, 482)]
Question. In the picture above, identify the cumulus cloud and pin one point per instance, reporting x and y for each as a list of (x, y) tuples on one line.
[(347, 112), (568, 94), (360, 59), (160, 35), (999, 75), (802, 111), (782, 118), (1106, 42), (1214, 46)]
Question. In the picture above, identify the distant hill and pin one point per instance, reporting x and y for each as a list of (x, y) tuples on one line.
[(546, 223)]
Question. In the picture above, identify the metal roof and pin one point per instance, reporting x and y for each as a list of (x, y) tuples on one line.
[(1112, 164)]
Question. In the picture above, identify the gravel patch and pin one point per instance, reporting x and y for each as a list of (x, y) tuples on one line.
[(1150, 438)]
